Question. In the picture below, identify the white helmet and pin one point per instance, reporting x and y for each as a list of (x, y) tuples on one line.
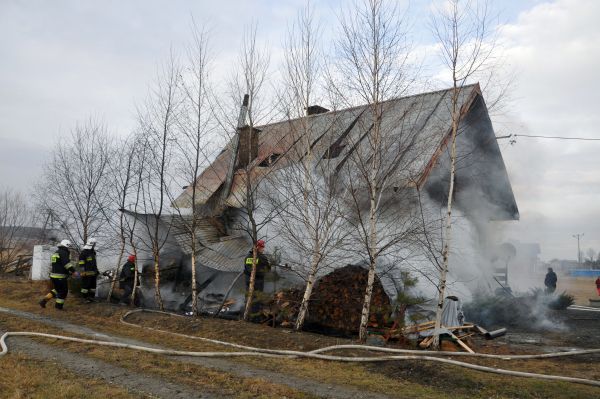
[(65, 243), (91, 241)]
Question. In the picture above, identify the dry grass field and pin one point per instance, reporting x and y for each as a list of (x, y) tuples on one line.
[(252, 377)]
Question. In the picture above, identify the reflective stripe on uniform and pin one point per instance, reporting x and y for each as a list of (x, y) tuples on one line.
[(84, 290), (59, 300), (54, 292), (55, 257), (57, 275), (82, 262), (69, 265), (249, 261), (89, 259)]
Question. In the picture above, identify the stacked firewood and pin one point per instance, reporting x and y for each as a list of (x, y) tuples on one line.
[(336, 303), (338, 298)]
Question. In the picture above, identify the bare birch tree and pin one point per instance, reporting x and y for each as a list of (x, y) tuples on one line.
[(196, 123), (371, 67), (126, 184), (158, 121), (140, 150), (309, 219), (249, 78), (76, 183), (466, 47)]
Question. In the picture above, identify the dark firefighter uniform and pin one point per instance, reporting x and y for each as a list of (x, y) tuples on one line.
[(61, 269), (262, 267), (126, 279), (89, 272)]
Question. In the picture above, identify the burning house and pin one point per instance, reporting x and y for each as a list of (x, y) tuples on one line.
[(417, 136)]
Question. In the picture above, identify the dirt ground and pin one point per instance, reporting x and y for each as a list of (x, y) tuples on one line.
[(263, 377)]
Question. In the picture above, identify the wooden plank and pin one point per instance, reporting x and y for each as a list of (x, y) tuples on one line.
[(426, 342), (462, 344), (419, 327), (466, 335), (463, 327), (480, 330)]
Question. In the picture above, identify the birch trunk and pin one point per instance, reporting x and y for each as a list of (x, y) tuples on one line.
[(194, 288), (312, 276), (364, 317), (448, 228), (121, 251), (157, 295), (366, 310), (250, 292), (135, 278)]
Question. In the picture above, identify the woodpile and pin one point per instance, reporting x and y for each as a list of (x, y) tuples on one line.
[(337, 301), (335, 306)]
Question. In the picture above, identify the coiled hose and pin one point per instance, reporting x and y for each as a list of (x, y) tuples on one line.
[(250, 351)]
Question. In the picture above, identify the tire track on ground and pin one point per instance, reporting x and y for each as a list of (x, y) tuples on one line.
[(82, 365), (311, 387)]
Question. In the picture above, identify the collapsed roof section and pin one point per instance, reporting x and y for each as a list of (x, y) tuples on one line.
[(215, 248)]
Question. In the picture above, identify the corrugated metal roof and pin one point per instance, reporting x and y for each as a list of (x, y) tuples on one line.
[(208, 231), (423, 118), (226, 255)]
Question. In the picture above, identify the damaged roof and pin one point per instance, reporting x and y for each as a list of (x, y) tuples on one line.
[(336, 134)]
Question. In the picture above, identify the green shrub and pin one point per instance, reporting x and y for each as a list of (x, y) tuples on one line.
[(562, 301)]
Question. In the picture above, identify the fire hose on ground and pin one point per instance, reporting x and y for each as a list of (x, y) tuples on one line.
[(250, 351)]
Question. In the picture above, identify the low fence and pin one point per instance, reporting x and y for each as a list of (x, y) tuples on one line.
[(585, 273)]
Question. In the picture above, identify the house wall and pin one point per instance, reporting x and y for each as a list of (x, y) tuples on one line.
[(482, 189)]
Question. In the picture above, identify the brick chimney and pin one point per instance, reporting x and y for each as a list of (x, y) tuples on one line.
[(248, 148)]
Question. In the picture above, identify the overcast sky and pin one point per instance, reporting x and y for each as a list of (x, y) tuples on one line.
[(63, 61)]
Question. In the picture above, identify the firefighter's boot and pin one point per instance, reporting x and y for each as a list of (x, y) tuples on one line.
[(45, 300)]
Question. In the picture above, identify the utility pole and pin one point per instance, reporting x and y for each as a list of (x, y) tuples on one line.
[(578, 236)]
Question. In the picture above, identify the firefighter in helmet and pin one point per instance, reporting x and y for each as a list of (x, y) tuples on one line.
[(61, 269), (127, 280), (262, 267), (89, 270)]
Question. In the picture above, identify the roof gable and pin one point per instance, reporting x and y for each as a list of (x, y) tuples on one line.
[(335, 135)]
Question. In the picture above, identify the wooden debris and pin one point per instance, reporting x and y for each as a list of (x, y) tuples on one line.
[(426, 343), (461, 343)]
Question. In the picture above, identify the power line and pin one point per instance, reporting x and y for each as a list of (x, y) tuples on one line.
[(514, 136)]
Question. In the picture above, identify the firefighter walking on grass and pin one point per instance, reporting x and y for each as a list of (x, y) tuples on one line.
[(89, 270), (61, 269)]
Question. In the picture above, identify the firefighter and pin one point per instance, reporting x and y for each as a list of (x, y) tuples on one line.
[(126, 279), (262, 267), (89, 270), (59, 273)]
